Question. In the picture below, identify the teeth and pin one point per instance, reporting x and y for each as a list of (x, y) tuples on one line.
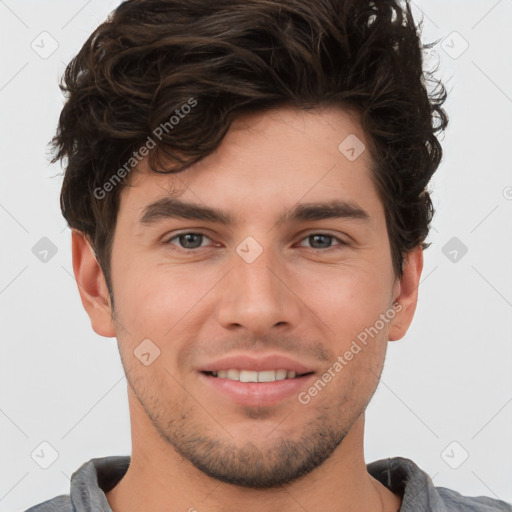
[(267, 376), (254, 376), (233, 374), (280, 374), (248, 376)]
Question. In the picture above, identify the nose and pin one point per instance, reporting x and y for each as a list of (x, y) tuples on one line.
[(258, 296)]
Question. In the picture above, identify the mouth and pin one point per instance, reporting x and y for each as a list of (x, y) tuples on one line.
[(255, 379), (241, 375), (254, 388)]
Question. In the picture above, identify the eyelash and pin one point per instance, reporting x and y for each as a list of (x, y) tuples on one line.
[(197, 249)]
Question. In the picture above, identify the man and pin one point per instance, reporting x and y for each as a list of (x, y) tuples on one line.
[(246, 184)]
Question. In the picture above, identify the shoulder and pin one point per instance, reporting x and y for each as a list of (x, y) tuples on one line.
[(403, 477), (88, 486), (59, 504), (454, 501)]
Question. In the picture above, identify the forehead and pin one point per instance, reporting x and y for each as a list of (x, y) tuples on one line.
[(284, 156)]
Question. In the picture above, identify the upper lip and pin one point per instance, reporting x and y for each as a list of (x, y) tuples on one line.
[(260, 363)]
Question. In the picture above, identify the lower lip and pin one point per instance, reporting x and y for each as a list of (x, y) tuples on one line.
[(257, 393)]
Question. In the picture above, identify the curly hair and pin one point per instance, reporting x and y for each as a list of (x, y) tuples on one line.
[(230, 57)]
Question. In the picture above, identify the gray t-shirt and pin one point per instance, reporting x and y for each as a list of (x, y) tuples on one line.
[(402, 476)]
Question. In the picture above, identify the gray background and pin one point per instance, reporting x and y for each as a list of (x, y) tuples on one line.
[(445, 399)]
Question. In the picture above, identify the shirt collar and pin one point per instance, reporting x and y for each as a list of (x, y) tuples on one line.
[(401, 476)]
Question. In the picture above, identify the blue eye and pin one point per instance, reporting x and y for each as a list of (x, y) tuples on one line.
[(192, 241), (322, 240), (189, 240)]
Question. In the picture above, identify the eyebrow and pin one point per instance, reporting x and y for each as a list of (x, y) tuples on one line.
[(167, 208)]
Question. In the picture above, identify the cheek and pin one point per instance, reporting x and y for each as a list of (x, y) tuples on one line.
[(348, 300), (153, 301)]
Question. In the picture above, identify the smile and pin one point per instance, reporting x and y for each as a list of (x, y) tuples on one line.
[(254, 376)]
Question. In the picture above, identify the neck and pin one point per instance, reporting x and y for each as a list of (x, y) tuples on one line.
[(159, 479)]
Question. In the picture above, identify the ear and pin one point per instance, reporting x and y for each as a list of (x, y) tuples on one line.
[(92, 285), (405, 293)]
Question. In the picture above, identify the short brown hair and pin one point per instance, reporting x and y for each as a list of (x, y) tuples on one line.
[(231, 57)]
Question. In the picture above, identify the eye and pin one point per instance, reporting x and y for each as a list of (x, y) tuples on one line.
[(188, 241), (322, 240)]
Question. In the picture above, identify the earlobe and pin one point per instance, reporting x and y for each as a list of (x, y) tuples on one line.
[(91, 285), (406, 294)]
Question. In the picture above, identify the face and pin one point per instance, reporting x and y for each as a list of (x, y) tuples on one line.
[(277, 264)]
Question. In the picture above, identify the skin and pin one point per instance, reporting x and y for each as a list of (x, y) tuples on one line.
[(305, 300)]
